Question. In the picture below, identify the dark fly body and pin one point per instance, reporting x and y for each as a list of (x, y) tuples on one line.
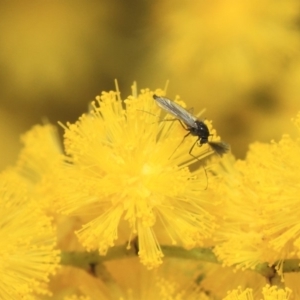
[(190, 123)]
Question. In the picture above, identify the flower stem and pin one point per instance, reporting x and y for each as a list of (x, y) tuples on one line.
[(85, 260)]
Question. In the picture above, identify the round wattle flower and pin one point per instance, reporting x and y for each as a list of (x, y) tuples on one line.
[(260, 222), (127, 165), (27, 247), (269, 293)]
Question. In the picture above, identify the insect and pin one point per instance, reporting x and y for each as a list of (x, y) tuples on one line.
[(194, 126)]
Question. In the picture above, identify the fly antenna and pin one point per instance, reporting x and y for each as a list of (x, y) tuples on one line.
[(145, 111)]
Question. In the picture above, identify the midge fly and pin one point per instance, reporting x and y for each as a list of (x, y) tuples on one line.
[(192, 125)]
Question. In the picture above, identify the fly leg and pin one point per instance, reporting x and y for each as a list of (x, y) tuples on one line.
[(180, 144), (190, 153)]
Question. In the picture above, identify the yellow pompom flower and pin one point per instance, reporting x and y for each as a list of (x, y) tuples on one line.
[(123, 169), (41, 152), (37, 162), (27, 242), (224, 48), (261, 208), (239, 294), (269, 293), (274, 293)]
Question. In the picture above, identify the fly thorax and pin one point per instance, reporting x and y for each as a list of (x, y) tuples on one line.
[(201, 130)]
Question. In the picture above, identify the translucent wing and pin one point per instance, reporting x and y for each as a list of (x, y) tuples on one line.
[(201, 131), (219, 147), (176, 110)]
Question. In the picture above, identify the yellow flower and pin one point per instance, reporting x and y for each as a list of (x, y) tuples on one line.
[(274, 293), (123, 167), (221, 49), (27, 242), (240, 294), (269, 293), (261, 208), (238, 240), (38, 161)]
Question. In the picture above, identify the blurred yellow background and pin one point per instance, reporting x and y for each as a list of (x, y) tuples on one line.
[(238, 59)]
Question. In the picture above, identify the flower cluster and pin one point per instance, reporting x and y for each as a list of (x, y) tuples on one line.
[(126, 177)]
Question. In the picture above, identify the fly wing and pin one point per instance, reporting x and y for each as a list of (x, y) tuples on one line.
[(219, 147), (175, 110)]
